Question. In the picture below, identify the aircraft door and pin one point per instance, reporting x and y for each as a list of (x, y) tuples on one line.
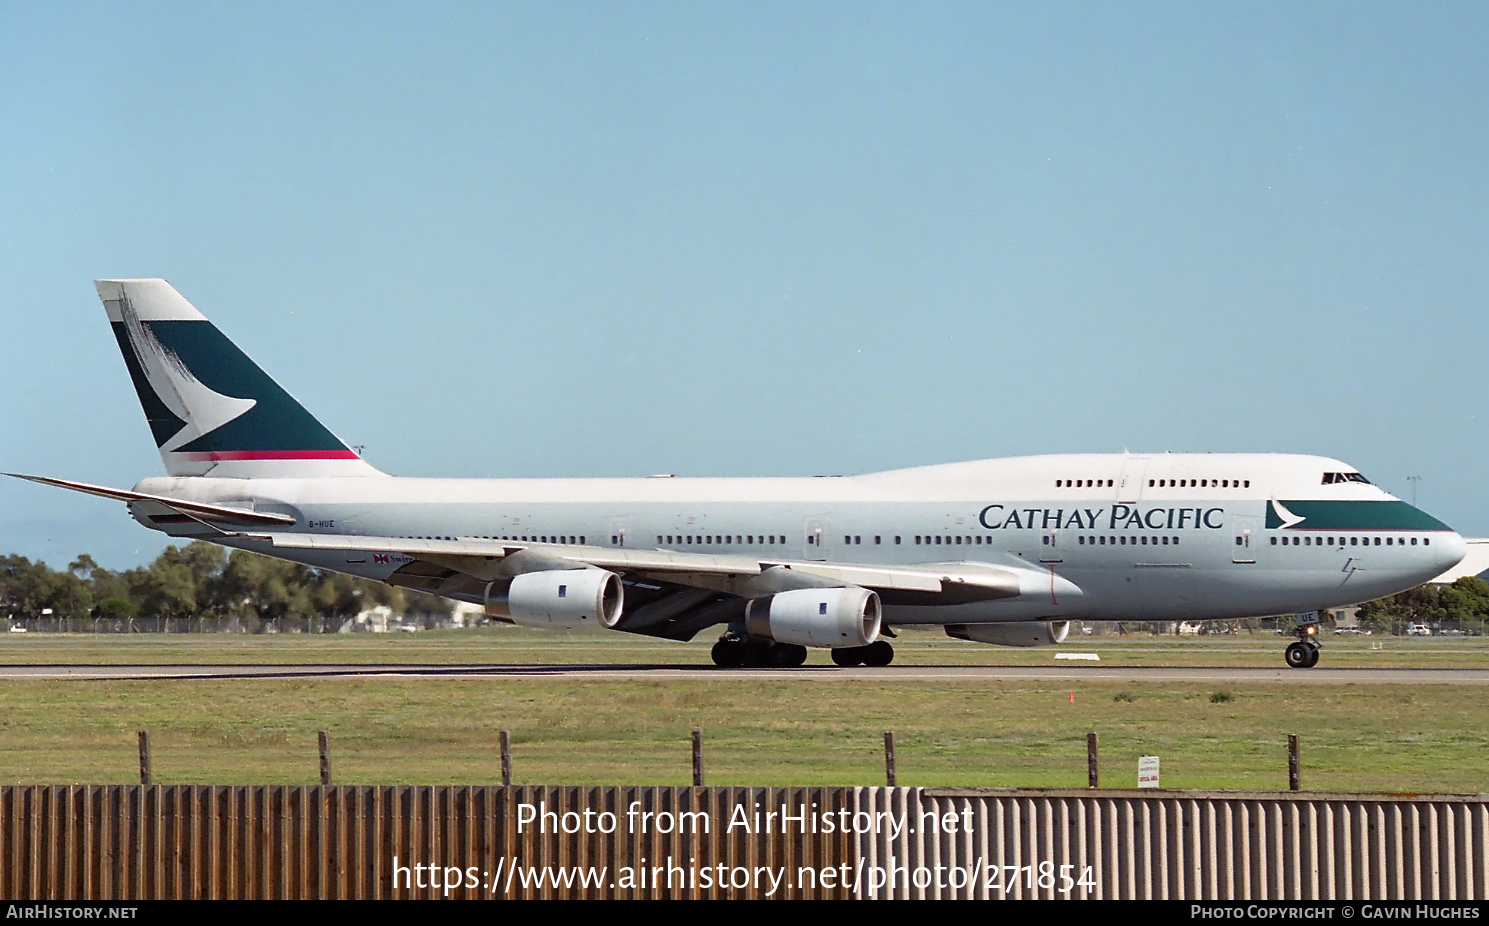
[(1244, 540), (1130, 485), (817, 534), (618, 531), (1049, 547)]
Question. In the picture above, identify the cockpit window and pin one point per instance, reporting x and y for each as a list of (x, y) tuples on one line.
[(1331, 478)]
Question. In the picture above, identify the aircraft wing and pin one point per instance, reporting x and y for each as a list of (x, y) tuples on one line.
[(669, 593), (462, 567)]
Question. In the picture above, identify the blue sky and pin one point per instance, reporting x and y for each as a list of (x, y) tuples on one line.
[(755, 239)]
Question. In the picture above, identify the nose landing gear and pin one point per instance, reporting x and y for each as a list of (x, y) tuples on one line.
[(1304, 653)]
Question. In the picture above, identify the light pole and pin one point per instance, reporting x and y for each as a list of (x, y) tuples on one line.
[(1414, 480)]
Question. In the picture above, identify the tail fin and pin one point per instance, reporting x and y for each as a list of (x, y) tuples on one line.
[(210, 408)]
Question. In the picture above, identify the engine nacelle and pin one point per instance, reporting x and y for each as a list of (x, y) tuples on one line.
[(833, 617), (565, 598), (1022, 633)]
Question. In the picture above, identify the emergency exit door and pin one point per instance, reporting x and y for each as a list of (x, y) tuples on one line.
[(817, 533), (1244, 539), (1049, 547)]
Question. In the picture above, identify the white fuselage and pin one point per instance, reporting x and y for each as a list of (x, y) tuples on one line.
[(1142, 537)]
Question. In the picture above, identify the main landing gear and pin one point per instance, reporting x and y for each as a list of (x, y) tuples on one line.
[(1304, 653), (878, 653), (734, 652)]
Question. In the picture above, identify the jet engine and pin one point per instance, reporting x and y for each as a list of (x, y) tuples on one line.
[(833, 617), (1023, 633), (565, 598)]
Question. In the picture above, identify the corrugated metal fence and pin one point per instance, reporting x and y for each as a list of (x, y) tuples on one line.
[(1181, 845), (143, 842), (152, 842)]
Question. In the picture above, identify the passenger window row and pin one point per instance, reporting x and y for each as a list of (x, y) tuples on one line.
[(1199, 483), (525, 538), (929, 539), (1121, 540), (1309, 541), (749, 540), (1158, 483), (1081, 540), (1304, 540)]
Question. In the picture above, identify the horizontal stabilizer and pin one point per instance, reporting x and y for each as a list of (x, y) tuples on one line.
[(197, 511)]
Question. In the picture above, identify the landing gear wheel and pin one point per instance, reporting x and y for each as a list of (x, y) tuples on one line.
[(755, 654), (1300, 656), (878, 653), (728, 653), (789, 655), (1312, 657), (848, 656)]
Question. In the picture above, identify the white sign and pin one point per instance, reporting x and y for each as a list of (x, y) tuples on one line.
[(1147, 772)]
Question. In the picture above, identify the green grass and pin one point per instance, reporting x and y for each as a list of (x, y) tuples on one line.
[(756, 732), (827, 730)]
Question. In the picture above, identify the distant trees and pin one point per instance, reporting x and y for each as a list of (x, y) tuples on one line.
[(1465, 601), (200, 583), (1463, 605), (30, 588)]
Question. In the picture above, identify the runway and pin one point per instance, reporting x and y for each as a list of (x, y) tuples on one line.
[(643, 672)]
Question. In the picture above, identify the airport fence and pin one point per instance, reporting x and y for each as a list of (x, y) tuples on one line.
[(126, 842)]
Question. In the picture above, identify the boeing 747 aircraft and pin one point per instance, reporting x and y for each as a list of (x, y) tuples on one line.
[(1003, 551)]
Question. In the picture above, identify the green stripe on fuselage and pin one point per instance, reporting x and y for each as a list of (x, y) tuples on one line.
[(1354, 516)]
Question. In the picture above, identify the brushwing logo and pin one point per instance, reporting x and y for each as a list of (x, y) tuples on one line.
[(203, 410), (1287, 518)]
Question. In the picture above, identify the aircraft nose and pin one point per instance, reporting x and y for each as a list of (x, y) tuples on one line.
[(1448, 549)]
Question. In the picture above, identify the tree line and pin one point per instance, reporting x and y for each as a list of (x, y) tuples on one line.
[(197, 585), (1464, 605), (203, 582)]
